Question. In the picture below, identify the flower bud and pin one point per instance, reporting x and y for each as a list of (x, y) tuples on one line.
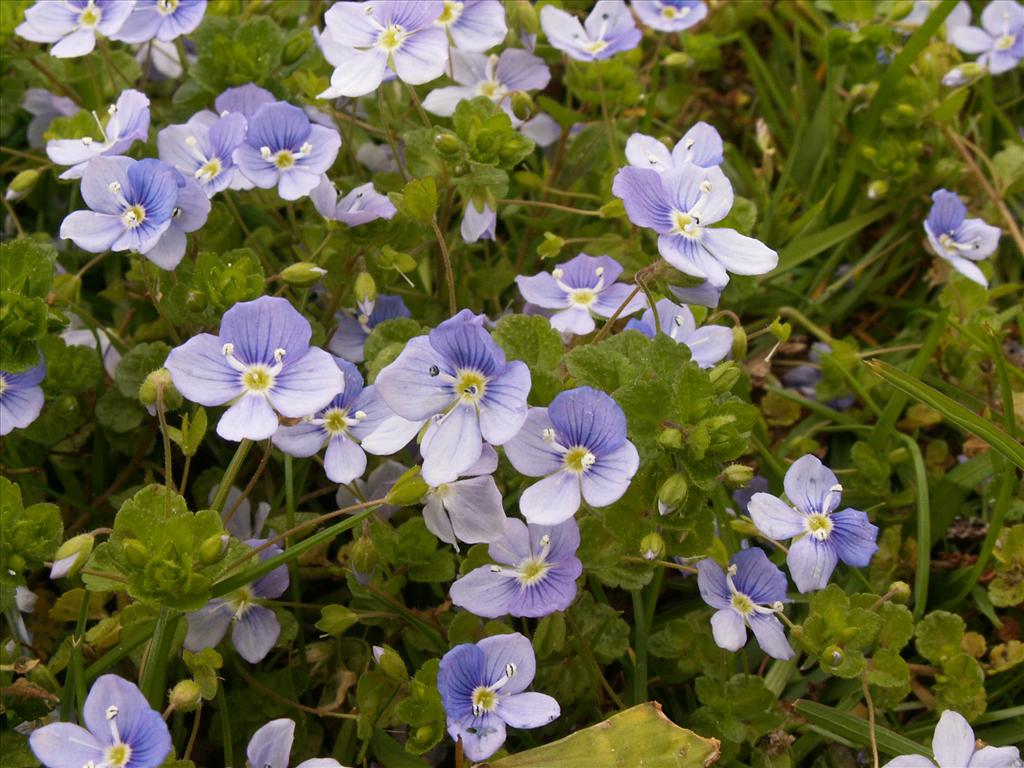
[(365, 289), (878, 189), (364, 555), (834, 656), (185, 696), (672, 493), (391, 663), (447, 143), (135, 552), (522, 105), (15, 563), (302, 273), (335, 619), (737, 475), (551, 246), (739, 342), (158, 380), (652, 547), (71, 555), (408, 489), (214, 548), (670, 437), (21, 185), (900, 591), (780, 330), (724, 376), (522, 14)]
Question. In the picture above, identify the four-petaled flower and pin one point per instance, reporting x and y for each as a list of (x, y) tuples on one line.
[(537, 575), (21, 398), (578, 445), (254, 627), (355, 325), (165, 20), (121, 731), (363, 39), (959, 240), (458, 378), (748, 594), (494, 76), (128, 121), (679, 204), (283, 149), (999, 39), (701, 145), (608, 30), (260, 362), (353, 414), (954, 746), (469, 509), (670, 15), (359, 206), (202, 149), (474, 25), (821, 536), (271, 747), (580, 289), (482, 689), (72, 24), (708, 344)]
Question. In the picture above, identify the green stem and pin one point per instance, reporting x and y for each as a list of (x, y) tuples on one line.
[(641, 630), (230, 474), (225, 724), (293, 566), (154, 674), (74, 682)]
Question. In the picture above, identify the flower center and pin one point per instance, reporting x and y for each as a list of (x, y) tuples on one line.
[(118, 755), (470, 386), (579, 459), (209, 171), (532, 570), (284, 159), (819, 526), (491, 89), (334, 421), (1005, 42), (582, 297), (450, 14), (596, 47), (167, 7), (133, 216), (90, 16), (742, 603), (257, 378), (685, 224), (3, 384), (484, 700), (392, 37)]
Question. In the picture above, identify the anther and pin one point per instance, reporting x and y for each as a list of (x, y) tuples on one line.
[(306, 148), (87, 140), (111, 712), (510, 669), (228, 349), (265, 152), (115, 188), (279, 355), (599, 271), (549, 435), (705, 186), (191, 141)]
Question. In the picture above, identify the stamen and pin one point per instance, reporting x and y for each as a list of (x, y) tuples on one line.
[(265, 152), (306, 148), (548, 435), (87, 140)]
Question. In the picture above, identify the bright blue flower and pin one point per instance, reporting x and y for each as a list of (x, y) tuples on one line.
[(709, 344), (202, 149), (821, 536), (537, 575), (121, 731), (701, 145), (999, 39), (458, 378), (608, 30), (670, 15), (474, 25), (361, 205), (283, 149), (355, 325), (261, 362), (21, 398), (748, 594), (957, 239), (73, 24), (129, 121), (482, 689), (271, 747), (165, 20), (578, 445)]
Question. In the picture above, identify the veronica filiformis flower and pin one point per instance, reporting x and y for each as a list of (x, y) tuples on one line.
[(954, 746), (21, 398), (670, 15), (128, 121), (203, 147), (701, 145), (957, 239), (468, 509), (73, 24), (609, 29), (163, 20), (494, 76), (473, 25), (44, 107), (354, 325), (360, 205), (271, 747), (708, 345), (999, 39)]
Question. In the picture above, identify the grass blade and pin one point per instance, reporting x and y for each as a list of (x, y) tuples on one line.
[(857, 730)]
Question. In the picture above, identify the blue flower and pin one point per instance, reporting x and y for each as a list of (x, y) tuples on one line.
[(580, 289), (355, 325), (679, 204), (458, 378), (701, 145), (73, 24), (363, 39), (469, 509), (21, 398), (255, 628), (129, 121), (202, 149), (495, 77), (261, 362), (283, 149), (361, 205), (670, 15), (478, 222), (537, 575), (578, 445), (609, 29), (271, 747), (165, 20), (245, 99), (821, 536), (708, 345), (748, 594), (482, 689), (44, 107), (121, 731), (957, 239), (353, 414), (474, 25), (999, 39)]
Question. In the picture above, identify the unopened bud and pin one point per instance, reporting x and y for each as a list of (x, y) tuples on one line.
[(878, 189), (71, 555), (834, 656), (724, 376), (672, 493), (408, 489), (522, 14), (670, 438), (447, 143), (214, 548), (652, 547), (522, 105), (185, 696), (302, 273), (157, 381), (900, 591), (739, 342), (21, 185), (364, 555), (780, 330), (391, 663), (763, 137), (365, 289), (135, 552), (737, 475)]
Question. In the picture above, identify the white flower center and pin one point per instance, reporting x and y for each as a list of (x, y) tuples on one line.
[(391, 37), (256, 378), (1005, 42)]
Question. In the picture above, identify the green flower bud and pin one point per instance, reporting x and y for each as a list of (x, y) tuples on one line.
[(364, 555), (652, 547), (834, 656), (900, 592), (672, 493), (22, 184), (185, 696), (739, 343), (522, 105), (878, 189), (135, 552), (678, 59), (302, 273), (16, 563), (551, 246), (868, 152), (409, 489), (80, 547), (157, 381), (365, 289), (724, 376), (737, 475), (447, 143), (780, 330), (391, 663), (670, 438), (214, 548)]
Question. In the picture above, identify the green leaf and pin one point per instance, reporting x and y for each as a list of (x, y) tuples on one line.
[(137, 364), (228, 278), (419, 200), (69, 369), (335, 619), (531, 338), (26, 275), (119, 413), (961, 686), (28, 536), (856, 729), (938, 636), (642, 735)]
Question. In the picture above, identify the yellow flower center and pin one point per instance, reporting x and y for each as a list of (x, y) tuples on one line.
[(90, 16), (470, 386), (684, 224), (742, 603), (1005, 42), (489, 88), (118, 755), (484, 699), (583, 297), (284, 159), (595, 47), (257, 378), (133, 217), (392, 37), (210, 170), (819, 526), (167, 7), (579, 459), (668, 12), (531, 571), (3, 385), (334, 421), (450, 14)]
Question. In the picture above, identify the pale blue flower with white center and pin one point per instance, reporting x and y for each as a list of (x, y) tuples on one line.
[(44, 107), (578, 445), (163, 20), (261, 364), (359, 205), (21, 398), (355, 325), (679, 204), (670, 15), (203, 149), (708, 345), (468, 509), (473, 25), (701, 145), (121, 731), (748, 594), (609, 29), (494, 76), (957, 239), (73, 24), (999, 39), (283, 149), (271, 747), (483, 688), (363, 39), (821, 536), (954, 746), (128, 122)]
